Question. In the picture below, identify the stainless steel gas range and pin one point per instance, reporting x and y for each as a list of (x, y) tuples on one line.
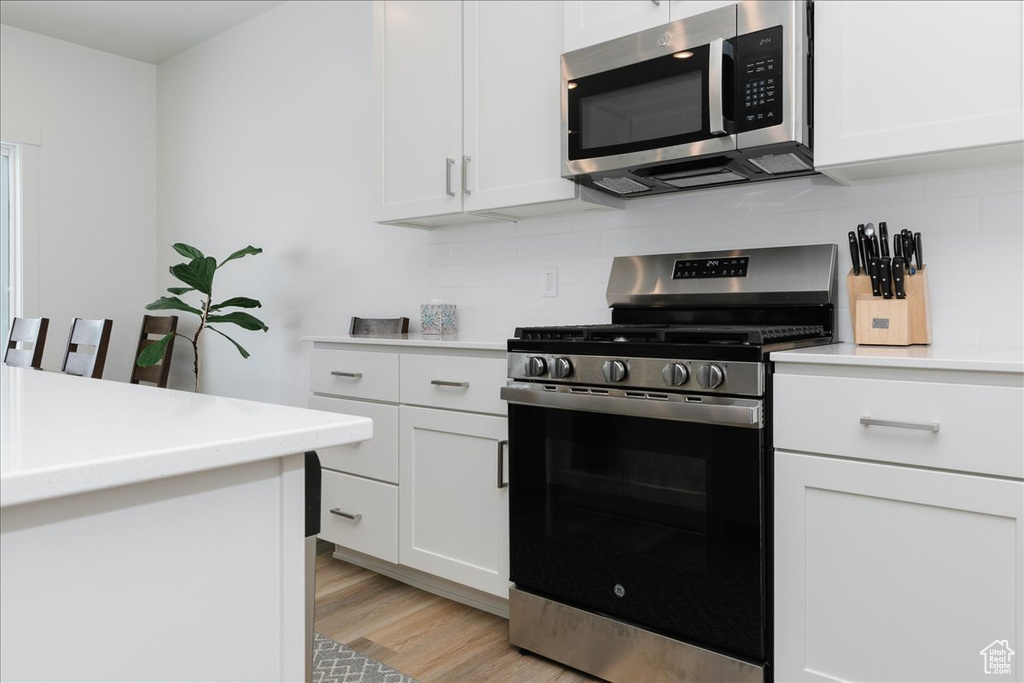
[(640, 460)]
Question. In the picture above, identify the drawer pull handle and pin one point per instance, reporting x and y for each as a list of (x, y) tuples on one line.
[(501, 464), (924, 427), (354, 516), (353, 375), (446, 383)]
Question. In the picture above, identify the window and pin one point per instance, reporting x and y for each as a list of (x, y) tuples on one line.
[(8, 252)]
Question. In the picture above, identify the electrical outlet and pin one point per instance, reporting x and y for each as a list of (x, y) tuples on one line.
[(550, 282)]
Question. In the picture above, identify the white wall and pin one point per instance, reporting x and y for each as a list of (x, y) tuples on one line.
[(87, 122), (972, 224), (265, 139)]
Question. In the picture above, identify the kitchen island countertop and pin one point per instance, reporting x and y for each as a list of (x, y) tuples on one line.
[(62, 435), (411, 340)]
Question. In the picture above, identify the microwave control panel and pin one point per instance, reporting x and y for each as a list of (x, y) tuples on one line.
[(759, 79)]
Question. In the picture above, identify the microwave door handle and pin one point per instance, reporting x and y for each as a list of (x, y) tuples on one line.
[(716, 117)]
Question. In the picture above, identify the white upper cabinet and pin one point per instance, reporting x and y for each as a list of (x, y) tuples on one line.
[(588, 22), (418, 74), (470, 111), (904, 87)]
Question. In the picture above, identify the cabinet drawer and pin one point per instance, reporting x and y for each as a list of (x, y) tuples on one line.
[(357, 374), (375, 531), (456, 382), (376, 458), (979, 426)]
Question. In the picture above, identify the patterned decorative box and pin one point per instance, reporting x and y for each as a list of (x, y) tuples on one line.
[(438, 319)]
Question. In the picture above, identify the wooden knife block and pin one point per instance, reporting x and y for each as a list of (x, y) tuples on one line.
[(890, 322)]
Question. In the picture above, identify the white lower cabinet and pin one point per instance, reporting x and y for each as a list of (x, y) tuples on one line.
[(454, 497), (421, 501), (888, 573), (899, 522)]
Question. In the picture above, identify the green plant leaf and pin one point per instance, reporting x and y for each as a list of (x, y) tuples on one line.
[(197, 273), (242, 252), (180, 290), (172, 302), (152, 354), (243, 320), (245, 354), (239, 301), (187, 251)]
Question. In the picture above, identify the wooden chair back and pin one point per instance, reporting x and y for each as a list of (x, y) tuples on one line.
[(30, 332), (87, 333), (378, 326), (155, 327)]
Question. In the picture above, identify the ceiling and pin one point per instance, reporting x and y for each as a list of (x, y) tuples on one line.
[(146, 30)]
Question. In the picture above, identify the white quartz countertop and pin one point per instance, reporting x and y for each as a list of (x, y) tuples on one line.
[(412, 340), (1009, 359), (61, 435)]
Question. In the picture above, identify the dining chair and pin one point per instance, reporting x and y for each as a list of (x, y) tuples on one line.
[(87, 333), (29, 332), (378, 326), (154, 328)]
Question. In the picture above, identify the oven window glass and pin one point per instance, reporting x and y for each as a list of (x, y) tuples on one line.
[(647, 111), (659, 522)]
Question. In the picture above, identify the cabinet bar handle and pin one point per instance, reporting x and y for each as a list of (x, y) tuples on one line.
[(501, 464), (354, 375), (465, 172), (448, 163), (924, 427), (446, 383), (354, 516)]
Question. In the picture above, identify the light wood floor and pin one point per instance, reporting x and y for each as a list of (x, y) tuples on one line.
[(420, 634)]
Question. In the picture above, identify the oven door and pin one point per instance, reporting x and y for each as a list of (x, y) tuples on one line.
[(649, 511), (660, 95)]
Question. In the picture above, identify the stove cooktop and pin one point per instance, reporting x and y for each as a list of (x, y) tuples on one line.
[(660, 334)]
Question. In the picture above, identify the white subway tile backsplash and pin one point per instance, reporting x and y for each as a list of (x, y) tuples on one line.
[(972, 222), (1003, 212)]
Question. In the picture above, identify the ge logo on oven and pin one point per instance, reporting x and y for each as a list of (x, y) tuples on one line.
[(620, 591)]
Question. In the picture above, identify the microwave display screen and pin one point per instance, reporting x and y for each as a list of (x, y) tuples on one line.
[(646, 111)]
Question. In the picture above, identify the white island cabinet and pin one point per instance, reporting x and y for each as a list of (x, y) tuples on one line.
[(899, 513), (426, 501), (151, 534)]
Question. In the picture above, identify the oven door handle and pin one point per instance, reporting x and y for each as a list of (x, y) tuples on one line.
[(748, 413)]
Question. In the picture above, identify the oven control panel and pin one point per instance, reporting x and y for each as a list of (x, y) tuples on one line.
[(733, 266), (648, 374)]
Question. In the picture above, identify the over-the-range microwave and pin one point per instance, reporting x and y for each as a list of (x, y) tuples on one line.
[(716, 98)]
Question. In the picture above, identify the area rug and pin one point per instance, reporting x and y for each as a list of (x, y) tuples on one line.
[(336, 663)]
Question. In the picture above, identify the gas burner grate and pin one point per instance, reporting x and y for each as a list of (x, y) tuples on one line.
[(755, 335)]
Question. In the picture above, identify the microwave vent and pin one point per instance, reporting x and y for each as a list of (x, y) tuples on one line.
[(621, 185), (780, 163)]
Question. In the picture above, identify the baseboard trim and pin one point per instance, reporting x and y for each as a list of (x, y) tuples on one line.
[(427, 582)]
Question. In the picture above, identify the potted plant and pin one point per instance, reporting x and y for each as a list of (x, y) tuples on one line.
[(198, 274)]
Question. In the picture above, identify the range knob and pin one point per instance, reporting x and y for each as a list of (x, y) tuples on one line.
[(535, 366), (561, 368), (675, 374), (710, 376), (613, 370)]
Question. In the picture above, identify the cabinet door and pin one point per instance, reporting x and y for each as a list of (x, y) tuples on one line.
[(588, 22), (454, 514), (512, 104), (418, 76), (892, 573), (898, 79)]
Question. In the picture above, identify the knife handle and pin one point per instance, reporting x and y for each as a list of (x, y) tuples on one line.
[(884, 278), (897, 278), (883, 238), (873, 272), (862, 246), (917, 251), (854, 252)]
